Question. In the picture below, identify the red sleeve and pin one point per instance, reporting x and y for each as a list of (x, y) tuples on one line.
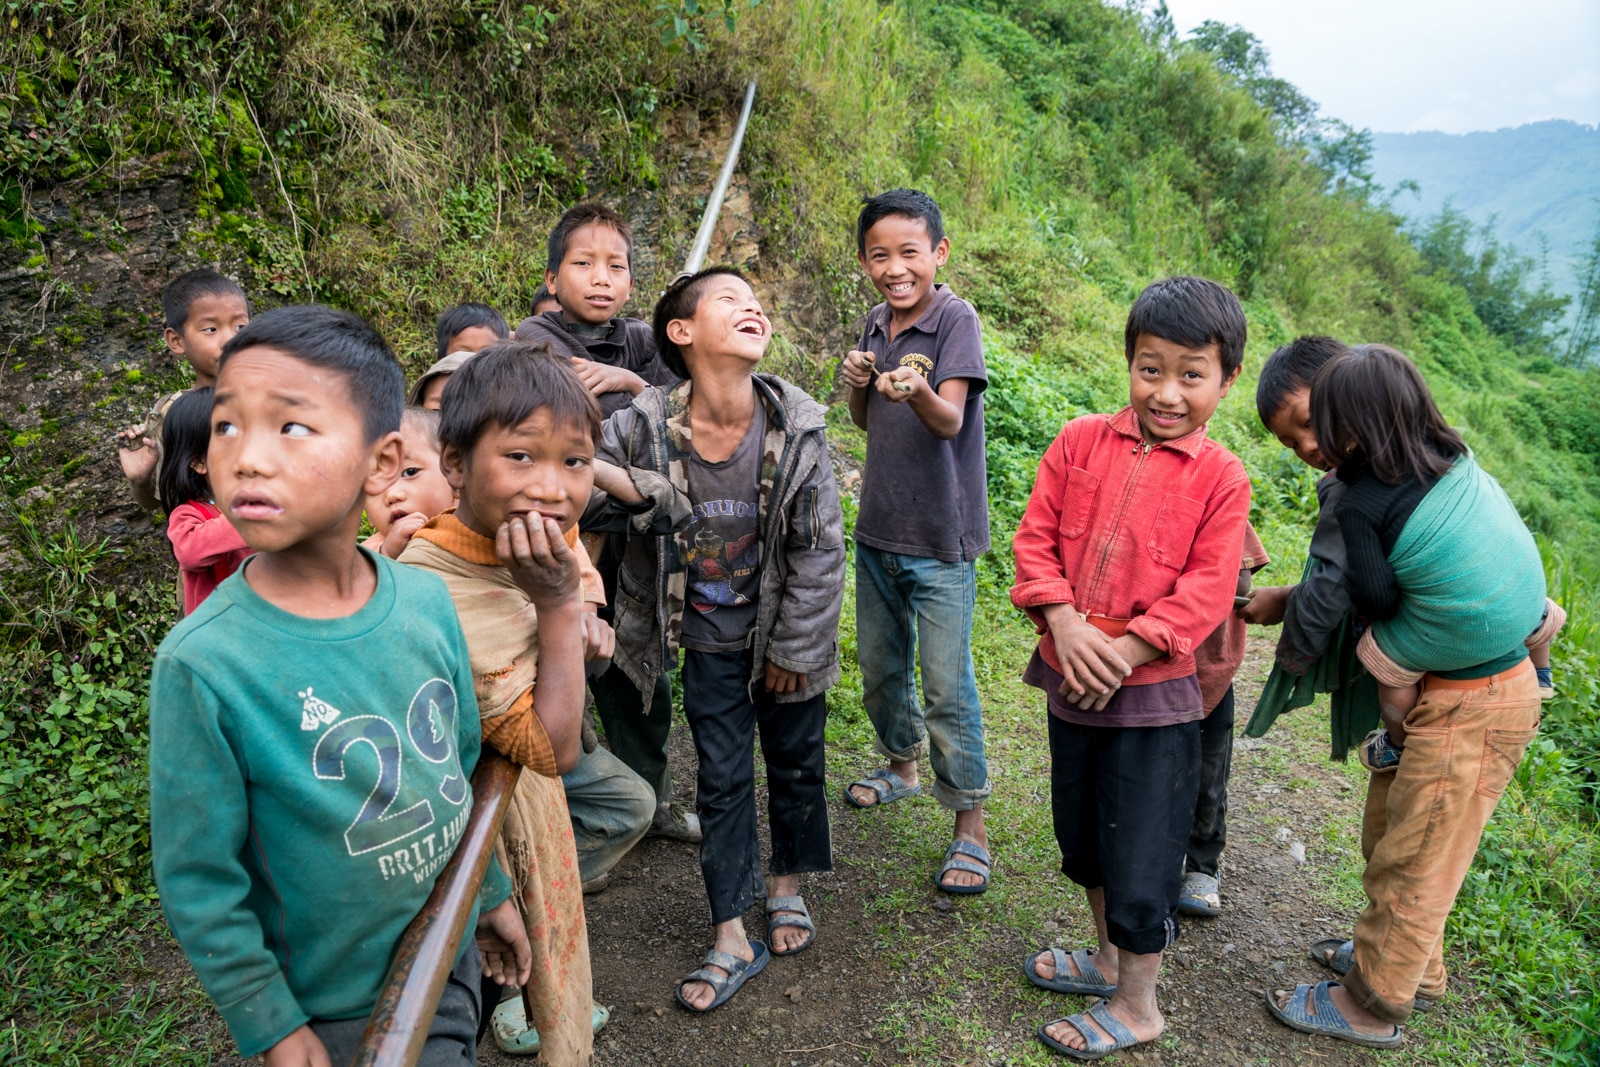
[(1041, 572), (1203, 595), (201, 537)]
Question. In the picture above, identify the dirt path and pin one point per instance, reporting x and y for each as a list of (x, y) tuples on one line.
[(836, 1004)]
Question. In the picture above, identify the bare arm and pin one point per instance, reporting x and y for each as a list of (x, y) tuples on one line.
[(548, 571), (613, 481)]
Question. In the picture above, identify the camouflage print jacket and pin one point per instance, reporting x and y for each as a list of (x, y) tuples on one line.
[(802, 537)]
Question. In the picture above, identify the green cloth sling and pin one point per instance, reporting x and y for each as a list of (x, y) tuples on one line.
[(1354, 692), (1471, 574)]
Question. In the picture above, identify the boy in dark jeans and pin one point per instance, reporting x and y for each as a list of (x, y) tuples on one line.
[(749, 584), (589, 273), (1127, 558), (916, 388), (313, 729)]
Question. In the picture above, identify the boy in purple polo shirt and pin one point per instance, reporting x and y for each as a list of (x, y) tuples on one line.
[(916, 388)]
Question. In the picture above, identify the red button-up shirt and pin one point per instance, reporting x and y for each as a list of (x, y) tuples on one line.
[(1124, 529)]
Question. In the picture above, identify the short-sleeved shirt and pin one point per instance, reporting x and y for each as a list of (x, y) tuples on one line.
[(724, 537), (920, 495), (1217, 658)]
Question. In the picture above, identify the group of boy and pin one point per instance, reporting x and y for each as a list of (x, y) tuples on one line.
[(702, 493)]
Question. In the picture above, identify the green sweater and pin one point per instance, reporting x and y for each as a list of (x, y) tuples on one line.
[(309, 778)]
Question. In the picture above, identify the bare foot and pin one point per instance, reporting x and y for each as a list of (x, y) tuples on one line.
[(1144, 1026), (868, 797), (1044, 965), (969, 827), (730, 939), (1360, 1020)]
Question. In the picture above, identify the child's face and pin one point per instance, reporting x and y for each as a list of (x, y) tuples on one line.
[(728, 322), (1175, 390), (213, 320), (289, 462), (421, 487), (540, 465), (901, 261), (433, 392), (594, 279), (1292, 426), (472, 339)]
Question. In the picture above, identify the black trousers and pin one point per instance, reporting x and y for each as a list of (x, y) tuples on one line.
[(1209, 832), (725, 717), (1122, 799), (458, 1025), (636, 732)]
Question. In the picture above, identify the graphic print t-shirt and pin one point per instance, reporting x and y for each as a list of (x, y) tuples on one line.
[(309, 778), (724, 538)]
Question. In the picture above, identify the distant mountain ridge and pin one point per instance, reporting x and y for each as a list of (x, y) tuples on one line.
[(1541, 178)]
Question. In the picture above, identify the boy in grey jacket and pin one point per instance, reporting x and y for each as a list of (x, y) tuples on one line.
[(748, 583)]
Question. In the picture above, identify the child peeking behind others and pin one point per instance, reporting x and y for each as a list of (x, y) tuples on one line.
[(205, 543), (421, 491)]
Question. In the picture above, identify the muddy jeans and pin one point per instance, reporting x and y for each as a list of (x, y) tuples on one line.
[(1422, 825)]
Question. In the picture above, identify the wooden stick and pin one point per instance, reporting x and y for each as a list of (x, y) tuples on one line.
[(426, 954)]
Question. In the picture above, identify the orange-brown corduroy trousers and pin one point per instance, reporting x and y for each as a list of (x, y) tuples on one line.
[(1421, 828)]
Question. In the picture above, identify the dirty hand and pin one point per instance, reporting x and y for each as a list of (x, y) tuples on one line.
[(400, 534), (1090, 666), (901, 384), (1266, 605), (503, 941), (137, 454), (600, 378), (857, 369), (533, 550), (302, 1048), (782, 681), (599, 639)]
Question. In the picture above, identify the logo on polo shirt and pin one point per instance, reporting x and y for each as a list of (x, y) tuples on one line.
[(918, 362)]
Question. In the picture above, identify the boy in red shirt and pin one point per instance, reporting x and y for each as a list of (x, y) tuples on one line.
[(1127, 558)]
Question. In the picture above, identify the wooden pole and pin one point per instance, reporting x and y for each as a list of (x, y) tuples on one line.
[(399, 1023)]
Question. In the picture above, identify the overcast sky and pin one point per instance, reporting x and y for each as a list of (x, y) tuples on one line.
[(1404, 65)]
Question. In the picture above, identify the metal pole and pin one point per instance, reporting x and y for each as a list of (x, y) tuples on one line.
[(708, 221)]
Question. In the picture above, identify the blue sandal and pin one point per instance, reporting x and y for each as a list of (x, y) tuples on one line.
[(1326, 1020), (726, 985), (789, 911), (1095, 1046), (954, 862), (1088, 982), (889, 786), (1339, 956)]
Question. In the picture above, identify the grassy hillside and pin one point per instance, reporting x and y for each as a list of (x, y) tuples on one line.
[(395, 158)]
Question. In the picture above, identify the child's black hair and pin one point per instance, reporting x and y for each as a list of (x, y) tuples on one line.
[(681, 301), (504, 384), (1291, 369), (540, 296), (424, 419), (338, 341), (576, 218), (1371, 403), (185, 436), (181, 293), (1193, 312), (452, 321), (906, 203)]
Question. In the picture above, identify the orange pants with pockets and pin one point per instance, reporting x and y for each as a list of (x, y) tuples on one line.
[(1421, 828)]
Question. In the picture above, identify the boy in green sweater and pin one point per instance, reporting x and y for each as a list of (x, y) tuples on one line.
[(313, 726)]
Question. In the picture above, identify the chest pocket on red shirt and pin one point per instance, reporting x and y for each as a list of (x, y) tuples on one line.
[(1174, 530), (1077, 503)]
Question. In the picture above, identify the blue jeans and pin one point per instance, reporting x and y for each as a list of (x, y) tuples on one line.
[(611, 809), (911, 607)]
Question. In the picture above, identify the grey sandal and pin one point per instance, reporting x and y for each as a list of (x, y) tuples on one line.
[(1339, 956), (1095, 1046), (789, 911), (1087, 982), (725, 985), (1325, 1020), (953, 862), (889, 786)]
